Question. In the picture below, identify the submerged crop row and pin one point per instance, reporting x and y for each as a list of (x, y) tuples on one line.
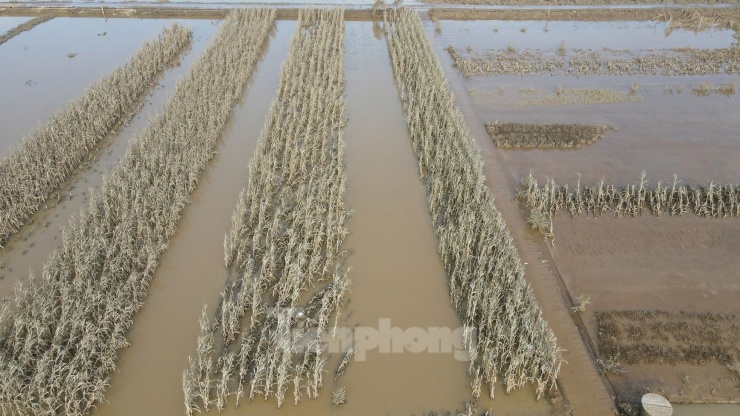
[(486, 276), (666, 62), (284, 246), (48, 156), (59, 345), (711, 201), (544, 135), (24, 27)]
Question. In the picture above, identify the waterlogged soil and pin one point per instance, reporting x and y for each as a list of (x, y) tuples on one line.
[(27, 251), (42, 69), (191, 273), (672, 264)]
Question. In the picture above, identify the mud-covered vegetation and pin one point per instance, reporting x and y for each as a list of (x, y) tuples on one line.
[(24, 27), (660, 337), (514, 345), (33, 172), (666, 62), (284, 247), (544, 135), (710, 201), (60, 341)]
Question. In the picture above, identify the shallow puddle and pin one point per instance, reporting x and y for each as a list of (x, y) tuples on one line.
[(27, 251), (191, 272)]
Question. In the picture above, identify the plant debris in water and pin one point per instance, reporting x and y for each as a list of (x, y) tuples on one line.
[(545, 135)]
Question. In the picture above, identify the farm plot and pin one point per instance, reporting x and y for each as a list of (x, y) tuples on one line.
[(286, 238), (60, 341), (670, 263)]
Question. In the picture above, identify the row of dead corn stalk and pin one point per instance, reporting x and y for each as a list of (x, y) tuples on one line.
[(514, 345), (284, 248), (710, 201), (45, 159), (669, 62), (59, 344)]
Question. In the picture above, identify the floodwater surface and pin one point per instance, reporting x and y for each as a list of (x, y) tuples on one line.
[(665, 263), (191, 272), (28, 250), (39, 74), (9, 22), (548, 35)]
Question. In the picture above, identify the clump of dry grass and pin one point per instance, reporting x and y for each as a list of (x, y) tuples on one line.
[(48, 156), (544, 135), (60, 344), (284, 248), (24, 27), (514, 344), (659, 337), (711, 201)]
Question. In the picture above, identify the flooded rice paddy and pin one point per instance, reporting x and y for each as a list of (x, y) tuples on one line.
[(397, 277)]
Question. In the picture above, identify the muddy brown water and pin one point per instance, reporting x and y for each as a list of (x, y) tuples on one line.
[(27, 251), (191, 273), (664, 263), (396, 272), (37, 76)]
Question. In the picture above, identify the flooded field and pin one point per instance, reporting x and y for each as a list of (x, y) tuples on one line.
[(664, 264), (582, 268)]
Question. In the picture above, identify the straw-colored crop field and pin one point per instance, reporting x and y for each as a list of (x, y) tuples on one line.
[(361, 209)]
